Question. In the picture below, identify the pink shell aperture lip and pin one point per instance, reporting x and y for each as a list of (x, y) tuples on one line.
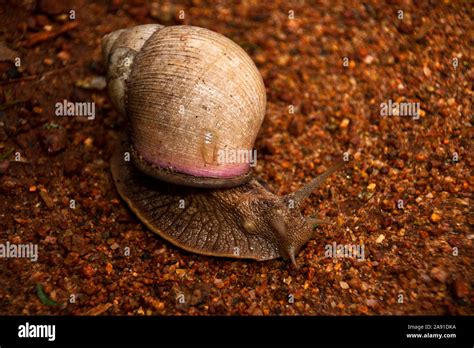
[(210, 170)]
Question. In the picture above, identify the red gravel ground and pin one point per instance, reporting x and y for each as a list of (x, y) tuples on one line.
[(418, 257)]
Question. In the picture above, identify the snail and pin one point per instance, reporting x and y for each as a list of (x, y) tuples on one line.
[(189, 94)]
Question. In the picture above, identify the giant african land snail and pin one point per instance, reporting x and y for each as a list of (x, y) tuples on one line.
[(189, 93)]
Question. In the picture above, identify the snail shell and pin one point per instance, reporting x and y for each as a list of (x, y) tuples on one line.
[(190, 94)]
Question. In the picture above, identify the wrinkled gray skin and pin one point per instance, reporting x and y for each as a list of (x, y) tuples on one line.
[(246, 221)]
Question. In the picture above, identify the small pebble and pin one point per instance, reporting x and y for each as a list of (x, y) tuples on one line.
[(93, 82), (371, 302), (64, 56), (425, 278), (439, 274), (53, 139), (426, 71), (296, 127), (344, 123), (435, 217), (369, 59), (454, 242), (371, 187), (461, 288), (344, 285), (62, 17), (88, 142), (99, 309), (48, 61), (38, 110), (46, 199), (88, 271), (380, 239), (424, 234), (50, 240), (218, 283), (181, 272)]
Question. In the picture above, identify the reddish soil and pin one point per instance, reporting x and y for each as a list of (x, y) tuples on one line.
[(318, 109)]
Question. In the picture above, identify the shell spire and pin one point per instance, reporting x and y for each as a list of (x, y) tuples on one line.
[(119, 49)]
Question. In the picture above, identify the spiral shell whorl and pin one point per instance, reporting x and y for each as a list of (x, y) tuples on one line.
[(119, 49), (191, 93)]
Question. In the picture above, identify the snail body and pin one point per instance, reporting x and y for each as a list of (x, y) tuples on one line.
[(190, 93)]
